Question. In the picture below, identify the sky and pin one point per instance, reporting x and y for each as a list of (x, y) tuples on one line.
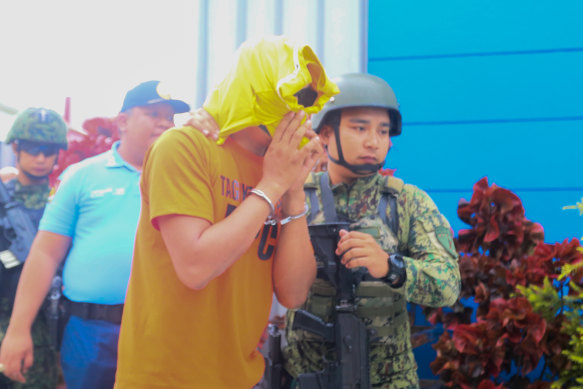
[(93, 52)]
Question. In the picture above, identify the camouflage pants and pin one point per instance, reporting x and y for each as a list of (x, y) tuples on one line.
[(302, 357), (43, 374)]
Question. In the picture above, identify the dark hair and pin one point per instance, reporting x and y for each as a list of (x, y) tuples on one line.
[(332, 119)]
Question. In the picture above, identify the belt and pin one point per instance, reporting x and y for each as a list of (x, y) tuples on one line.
[(90, 311)]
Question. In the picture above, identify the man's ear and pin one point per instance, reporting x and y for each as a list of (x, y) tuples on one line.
[(121, 120), (14, 148), (325, 133)]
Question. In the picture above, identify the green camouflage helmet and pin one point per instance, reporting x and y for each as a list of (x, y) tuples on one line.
[(361, 90), (39, 125)]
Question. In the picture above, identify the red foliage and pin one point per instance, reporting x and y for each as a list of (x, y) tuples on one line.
[(500, 251), (387, 171), (498, 224), (100, 134)]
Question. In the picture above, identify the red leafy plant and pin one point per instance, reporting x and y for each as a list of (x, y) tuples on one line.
[(500, 251), (98, 136)]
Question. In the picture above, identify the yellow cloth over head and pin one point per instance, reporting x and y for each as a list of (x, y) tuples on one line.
[(270, 77)]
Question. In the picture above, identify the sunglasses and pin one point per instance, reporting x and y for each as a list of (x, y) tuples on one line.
[(35, 149)]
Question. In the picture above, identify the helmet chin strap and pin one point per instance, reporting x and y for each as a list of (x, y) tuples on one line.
[(364, 169), (34, 177)]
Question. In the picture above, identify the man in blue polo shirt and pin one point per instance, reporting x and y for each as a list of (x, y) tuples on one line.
[(92, 223)]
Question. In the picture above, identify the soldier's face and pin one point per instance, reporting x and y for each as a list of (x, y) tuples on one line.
[(364, 136), (37, 161), (141, 126)]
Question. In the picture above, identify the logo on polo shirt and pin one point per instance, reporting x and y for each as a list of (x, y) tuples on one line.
[(102, 192)]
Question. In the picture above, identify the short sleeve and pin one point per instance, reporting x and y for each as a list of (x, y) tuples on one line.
[(177, 176)]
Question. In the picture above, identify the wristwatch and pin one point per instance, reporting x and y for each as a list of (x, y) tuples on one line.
[(397, 274)]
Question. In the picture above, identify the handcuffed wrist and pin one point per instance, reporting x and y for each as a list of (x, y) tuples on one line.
[(294, 217), (270, 219)]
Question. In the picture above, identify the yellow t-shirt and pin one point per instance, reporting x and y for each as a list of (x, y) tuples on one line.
[(176, 337)]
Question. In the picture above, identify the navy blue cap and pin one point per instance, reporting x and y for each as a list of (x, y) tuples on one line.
[(148, 93)]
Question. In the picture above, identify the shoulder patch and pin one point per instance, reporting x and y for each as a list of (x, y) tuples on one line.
[(444, 237)]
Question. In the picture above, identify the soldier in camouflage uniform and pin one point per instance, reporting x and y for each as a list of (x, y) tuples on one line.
[(405, 255), (37, 135)]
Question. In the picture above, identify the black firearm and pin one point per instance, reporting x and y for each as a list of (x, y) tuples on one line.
[(273, 360), (54, 311), (348, 333), (18, 230)]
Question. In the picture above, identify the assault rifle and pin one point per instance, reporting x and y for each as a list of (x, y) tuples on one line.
[(18, 229), (20, 232), (351, 368)]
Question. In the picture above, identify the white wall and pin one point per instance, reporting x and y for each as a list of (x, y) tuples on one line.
[(336, 30), (93, 52)]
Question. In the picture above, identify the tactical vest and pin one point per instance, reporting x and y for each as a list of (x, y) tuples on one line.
[(378, 305)]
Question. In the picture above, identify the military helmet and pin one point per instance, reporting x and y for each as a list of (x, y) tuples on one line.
[(361, 90), (39, 125)]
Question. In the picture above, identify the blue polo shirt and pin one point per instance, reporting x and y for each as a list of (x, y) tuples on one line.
[(97, 204)]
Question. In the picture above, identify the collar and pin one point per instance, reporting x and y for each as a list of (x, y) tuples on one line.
[(358, 185), (27, 189), (114, 160), (358, 199)]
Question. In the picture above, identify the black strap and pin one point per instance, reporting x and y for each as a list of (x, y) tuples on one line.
[(314, 204), (89, 311), (393, 223), (328, 199)]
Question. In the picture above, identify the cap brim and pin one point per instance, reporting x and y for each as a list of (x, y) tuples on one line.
[(178, 105)]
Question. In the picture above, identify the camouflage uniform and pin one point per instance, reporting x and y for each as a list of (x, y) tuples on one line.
[(44, 372), (424, 239)]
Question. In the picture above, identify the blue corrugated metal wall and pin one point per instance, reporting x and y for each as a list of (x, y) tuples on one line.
[(487, 88)]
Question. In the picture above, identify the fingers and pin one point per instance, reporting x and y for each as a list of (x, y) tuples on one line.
[(289, 126), (285, 163), (359, 249), (349, 239), (17, 357), (314, 151), (350, 246), (13, 370), (28, 361), (201, 120)]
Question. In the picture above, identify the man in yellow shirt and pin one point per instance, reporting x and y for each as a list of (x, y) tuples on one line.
[(222, 227)]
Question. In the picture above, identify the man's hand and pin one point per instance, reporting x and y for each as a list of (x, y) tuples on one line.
[(204, 122), (285, 165), (16, 354), (7, 173), (293, 200), (361, 249)]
